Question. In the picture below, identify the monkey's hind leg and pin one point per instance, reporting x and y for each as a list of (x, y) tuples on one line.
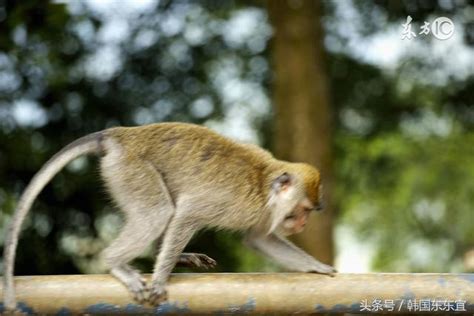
[(136, 189), (135, 236)]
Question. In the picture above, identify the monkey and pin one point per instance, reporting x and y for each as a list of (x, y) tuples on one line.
[(171, 180)]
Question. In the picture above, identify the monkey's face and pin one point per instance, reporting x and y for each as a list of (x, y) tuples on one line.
[(292, 203)]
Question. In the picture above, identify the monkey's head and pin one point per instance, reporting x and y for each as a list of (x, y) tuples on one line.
[(295, 192)]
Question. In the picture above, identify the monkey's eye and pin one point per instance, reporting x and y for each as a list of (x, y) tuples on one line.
[(319, 206), (291, 216)]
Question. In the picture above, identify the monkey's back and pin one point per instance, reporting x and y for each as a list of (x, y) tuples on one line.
[(196, 160)]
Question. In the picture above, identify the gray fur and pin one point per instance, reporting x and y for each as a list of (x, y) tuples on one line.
[(287, 254), (85, 145), (172, 179)]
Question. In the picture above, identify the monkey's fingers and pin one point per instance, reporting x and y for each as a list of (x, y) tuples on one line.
[(205, 261), (198, 260), (324, 269)]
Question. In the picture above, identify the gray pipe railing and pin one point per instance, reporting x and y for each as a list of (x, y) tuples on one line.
[(221, 293)]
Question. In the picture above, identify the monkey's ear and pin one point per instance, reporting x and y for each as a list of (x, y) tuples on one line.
[(282, 182), (281, 203)]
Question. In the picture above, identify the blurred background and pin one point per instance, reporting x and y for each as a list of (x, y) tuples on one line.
[(389, 121)]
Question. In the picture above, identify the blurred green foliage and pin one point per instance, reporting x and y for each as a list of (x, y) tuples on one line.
[(405, 168), (403, 141)]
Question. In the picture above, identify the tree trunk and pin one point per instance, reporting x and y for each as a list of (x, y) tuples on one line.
[(302, 113)]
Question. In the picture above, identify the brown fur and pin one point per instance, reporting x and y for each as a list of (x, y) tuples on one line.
[(172, 179), (186, 152)]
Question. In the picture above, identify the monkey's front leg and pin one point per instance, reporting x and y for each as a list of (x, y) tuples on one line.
[(287, 254), (177, 235)]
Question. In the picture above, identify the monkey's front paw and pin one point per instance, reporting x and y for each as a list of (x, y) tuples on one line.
[(324, 269), (198, 260), (158, 294)]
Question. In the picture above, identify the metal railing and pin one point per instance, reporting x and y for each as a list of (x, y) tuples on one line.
[(221, 293)]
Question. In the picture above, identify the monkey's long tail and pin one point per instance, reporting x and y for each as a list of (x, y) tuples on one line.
[(91, 143)]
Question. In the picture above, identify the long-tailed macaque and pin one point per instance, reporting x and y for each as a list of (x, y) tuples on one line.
[(172, 179)]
